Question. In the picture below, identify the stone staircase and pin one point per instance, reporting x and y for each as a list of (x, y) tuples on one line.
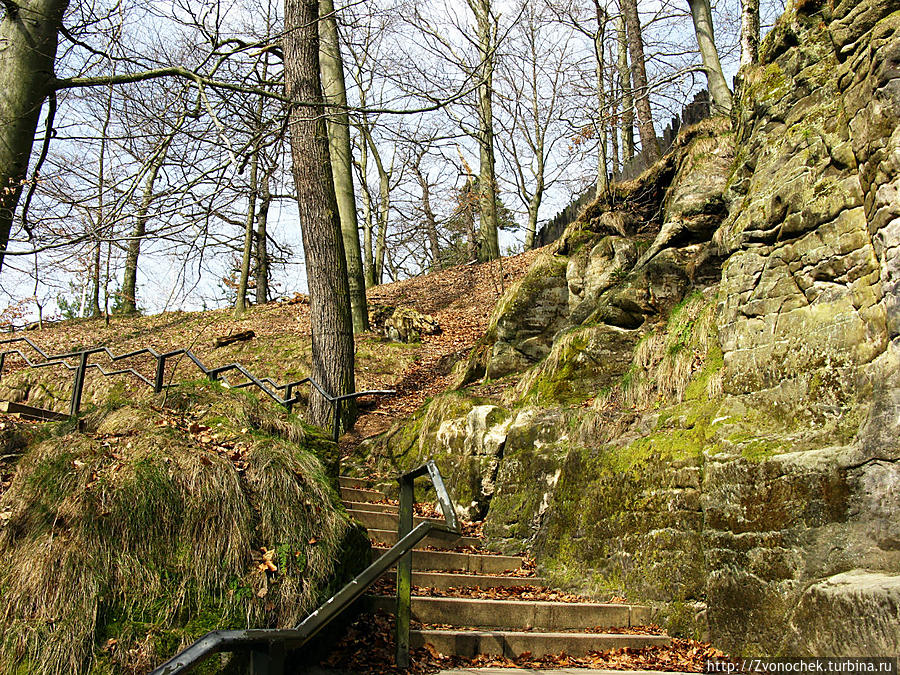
[(467, 626)]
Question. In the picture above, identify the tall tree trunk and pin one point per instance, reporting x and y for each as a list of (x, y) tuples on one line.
[(341, 160), (431, 230), (262, 241), (129, 284), (614, 101), (323, 244), (719, 93), (649, 144), (534, 206), (100, 216), (384, 213), (602, 177), (240, 303), (94, 300), (368, 216), (384, 210), (627, 125), (29, 39), (749, 32), (488, 231)]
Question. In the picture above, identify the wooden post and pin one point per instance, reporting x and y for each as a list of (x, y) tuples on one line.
[(336, 429), (404, 573), (78, 386), (288, 395), (160, 373)]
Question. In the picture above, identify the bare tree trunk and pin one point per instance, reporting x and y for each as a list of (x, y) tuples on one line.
[(488, 235), (100, 216), (719, 93), (749, 32), (625, 87), (341, 160), (262, 241), (614, 101), (368, 261), (431, 230), (384, 211), (29, 39), (602, 178), (94, 305), (649, 144), (240, 303), (534, 206), (129, 283), (323, 244)]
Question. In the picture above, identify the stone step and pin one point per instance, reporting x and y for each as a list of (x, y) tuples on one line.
[(377, 520), (359, 495), (367, 506), (445, 580), (548, 671), (357, 483), (519, 614), (435, 539), (468, 643), (451, 561)]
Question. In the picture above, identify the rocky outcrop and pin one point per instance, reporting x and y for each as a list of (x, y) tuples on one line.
[(402, 324), (703, 407)]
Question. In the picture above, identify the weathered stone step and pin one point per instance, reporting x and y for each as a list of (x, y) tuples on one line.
[(444, 580), (377, 520), (359, 495), (451, 561), (468, 643), (369, 506), (519, 614), (356, 483), (436, 539)]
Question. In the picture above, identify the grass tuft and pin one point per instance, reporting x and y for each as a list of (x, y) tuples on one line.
[(128, 541)]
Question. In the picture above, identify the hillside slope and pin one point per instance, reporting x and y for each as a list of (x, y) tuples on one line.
[(162, 516), (460, 299)]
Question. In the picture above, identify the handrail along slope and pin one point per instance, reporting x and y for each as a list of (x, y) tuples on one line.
[(268, 646)]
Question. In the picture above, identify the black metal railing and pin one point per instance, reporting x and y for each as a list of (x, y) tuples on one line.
[(269, 647), (271, 388)]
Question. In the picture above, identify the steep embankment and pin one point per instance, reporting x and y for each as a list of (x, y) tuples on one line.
[(125, 540), (694, 400)]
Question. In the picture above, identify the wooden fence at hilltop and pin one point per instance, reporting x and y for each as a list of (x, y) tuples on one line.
[(693, 112)]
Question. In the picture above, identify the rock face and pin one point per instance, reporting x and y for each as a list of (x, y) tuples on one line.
[(703, 409), (403, 324)]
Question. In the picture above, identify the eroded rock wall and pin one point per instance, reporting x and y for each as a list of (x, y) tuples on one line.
[(701, 381)]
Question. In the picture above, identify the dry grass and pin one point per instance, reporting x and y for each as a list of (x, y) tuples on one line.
[(668, 359), (131, 539)]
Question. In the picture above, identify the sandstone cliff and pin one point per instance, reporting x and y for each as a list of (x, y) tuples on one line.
[(700, 384)]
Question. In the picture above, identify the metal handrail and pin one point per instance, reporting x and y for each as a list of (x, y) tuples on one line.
[(269, 386), (269, 646)]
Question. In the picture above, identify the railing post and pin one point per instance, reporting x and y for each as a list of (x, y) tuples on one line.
[(336, 429), (160, 373), (288, 395), (2, 362), (269, 661), (78, 386), (404, 572)]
